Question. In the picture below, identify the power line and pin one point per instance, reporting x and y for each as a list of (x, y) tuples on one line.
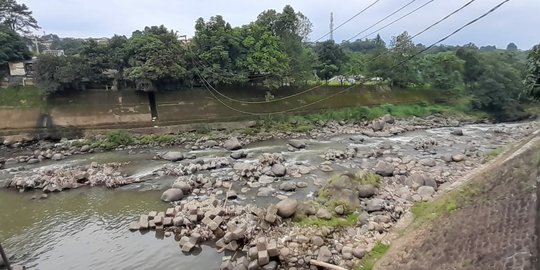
[(348, 20), (266, 101), (426, 29), (455, 32), (398, 19), (383, 19)]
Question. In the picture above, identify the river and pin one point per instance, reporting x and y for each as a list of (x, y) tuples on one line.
[(86, 228)]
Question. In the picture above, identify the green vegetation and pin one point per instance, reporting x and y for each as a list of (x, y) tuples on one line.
[(349, 220), (368, 262), (491, 155), (22, 97), (428, 211), (118, 138)]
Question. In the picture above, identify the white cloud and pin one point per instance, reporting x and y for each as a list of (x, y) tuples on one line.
[(513, 22)]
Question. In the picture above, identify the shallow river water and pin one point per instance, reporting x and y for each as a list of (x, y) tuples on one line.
[(87, 228)]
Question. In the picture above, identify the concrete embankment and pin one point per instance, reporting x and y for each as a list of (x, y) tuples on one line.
[(494, 225)]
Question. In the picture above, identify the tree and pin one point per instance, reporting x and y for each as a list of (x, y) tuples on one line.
[(330, 57), (401, 70), (71, 46), (12, 46), (17, 17), (155, 57), (472, 68), (512, 47), (442, 70), (55, 74), (532, 80), (263, 54)]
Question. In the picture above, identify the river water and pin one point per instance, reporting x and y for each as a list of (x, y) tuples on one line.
[(87, 228)]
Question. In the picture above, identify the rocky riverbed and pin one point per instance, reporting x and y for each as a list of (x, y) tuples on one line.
[(279, 201)]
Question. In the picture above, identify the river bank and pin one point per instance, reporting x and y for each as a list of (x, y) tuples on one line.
[(414, 159)]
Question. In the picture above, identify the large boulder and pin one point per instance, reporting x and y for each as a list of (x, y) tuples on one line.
[(172, 195), (458, 157), (173, 156), (210, 144), (279, 170), (426, 192), (366, 191), (238, 154), (232, 144), (286, 208), (457, 132), (389, 119), (183, 185), (287, 186), (298, 144), (374, 205), (384, 168), (378, 125)]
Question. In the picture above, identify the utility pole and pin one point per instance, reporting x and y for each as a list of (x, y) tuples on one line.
[(332, 26)]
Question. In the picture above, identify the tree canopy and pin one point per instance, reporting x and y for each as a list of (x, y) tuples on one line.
[(17, 17)]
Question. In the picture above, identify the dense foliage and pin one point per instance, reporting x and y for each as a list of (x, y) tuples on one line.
[(274, 51)]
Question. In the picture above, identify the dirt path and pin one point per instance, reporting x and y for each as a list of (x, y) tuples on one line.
[(495, 230)]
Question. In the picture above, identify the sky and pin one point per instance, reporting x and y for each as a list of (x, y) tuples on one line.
[(517, 21)]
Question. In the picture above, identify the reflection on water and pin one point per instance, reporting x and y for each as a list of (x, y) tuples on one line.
[(87, 229)]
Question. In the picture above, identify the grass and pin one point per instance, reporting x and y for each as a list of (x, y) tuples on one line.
[(491, 155), (350, 220), (22, 97), (368, 262), (428, 211)]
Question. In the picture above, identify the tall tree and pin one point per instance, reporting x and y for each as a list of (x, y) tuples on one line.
[(512, 47), (331, 59), (533, 73), (472, 67), (12, 46), (443, 71), (17, 17), (155, 57)]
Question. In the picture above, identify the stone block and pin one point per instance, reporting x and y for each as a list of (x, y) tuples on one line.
[(253, 253), (178, 221), (183, 240), (187, 247), (261, 244), (272, 248), (171, 212), (232, 246), (160, 227), (218, 220), (158, 220), (152, 214), (226, 265), (134, 226), (253, 265), (168, 221), (220, 243), (263, 258), (143, 222)]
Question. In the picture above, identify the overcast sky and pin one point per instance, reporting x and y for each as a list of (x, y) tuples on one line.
[(517, 21)]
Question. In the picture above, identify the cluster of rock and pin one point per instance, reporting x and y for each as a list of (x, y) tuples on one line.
[(58, 152), (193, 166), (333, 154), (265, 171), (58, 179)]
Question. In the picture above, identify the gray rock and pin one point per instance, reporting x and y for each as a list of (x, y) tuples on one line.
[(324, 254), (458, 158), (426, 192), (359, 252), (85, 148), (272, 265), (298, 144), (457, 132), (185, 187), (428, 162), (366, 191), (384, 168), (376, 204), (210, 144), (326, 168), (301, 185), (357, 138), (231, 195), (340, 210), (232, 144), (238, 154), (378, 125), (57, 156), (323, 213), (389, 119), (265, 179), (287, 186), (279, 170), (265, 192), (286, 208), (415, 180), (172, 195), (317, 241), (173, 156), (33, 161)]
